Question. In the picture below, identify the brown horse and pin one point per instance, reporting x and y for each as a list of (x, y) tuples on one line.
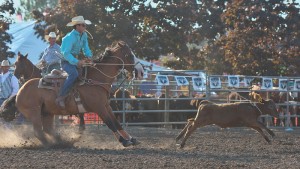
[(26, 70), (41, 107)]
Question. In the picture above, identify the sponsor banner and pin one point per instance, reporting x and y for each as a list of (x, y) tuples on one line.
[(198, 83), (162, 80), (283, 84), (248, 81), (267, 83), (297, 84), (233, 81), (181, 80), (215, 82)]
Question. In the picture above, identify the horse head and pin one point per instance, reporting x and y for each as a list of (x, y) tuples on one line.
[(25, 68), (124, 55)]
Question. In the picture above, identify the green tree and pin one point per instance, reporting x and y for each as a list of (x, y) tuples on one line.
[(255, 42), (236, 37), (29, 6), (5, 8)]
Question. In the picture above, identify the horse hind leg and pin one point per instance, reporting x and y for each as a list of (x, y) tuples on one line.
[(82, 123)]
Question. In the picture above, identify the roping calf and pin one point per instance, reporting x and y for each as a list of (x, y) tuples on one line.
[(230, 115)]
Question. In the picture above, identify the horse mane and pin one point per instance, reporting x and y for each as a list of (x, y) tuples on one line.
[(104, 57)]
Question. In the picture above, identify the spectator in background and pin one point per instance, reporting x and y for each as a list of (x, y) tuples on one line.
[(9, 85), (51, 58), (148, 86)]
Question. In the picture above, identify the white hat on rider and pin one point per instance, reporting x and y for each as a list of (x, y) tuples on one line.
[(51, 35), (5, 63), (79, 20)]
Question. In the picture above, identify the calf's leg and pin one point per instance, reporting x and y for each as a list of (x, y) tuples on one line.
[(190, 121), (262, 133), (261, 125), (190, 129)]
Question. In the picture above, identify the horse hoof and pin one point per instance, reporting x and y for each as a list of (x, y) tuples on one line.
[(179, 145), (135, 141), (127, 143)]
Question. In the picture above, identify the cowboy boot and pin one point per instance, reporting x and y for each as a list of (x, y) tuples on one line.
[(60, 101)]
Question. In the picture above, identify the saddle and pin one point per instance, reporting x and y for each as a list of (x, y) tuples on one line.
[(54, 81)]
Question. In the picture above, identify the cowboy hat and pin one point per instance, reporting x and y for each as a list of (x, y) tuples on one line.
[(5, 63), (79, 20), (51, 35)]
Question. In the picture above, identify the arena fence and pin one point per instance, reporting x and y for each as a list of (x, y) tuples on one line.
[(211, 87)]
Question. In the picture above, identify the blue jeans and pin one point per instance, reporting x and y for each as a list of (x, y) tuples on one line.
[(72, 76)]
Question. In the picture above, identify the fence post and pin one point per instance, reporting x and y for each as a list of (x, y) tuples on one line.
[(166, 113)]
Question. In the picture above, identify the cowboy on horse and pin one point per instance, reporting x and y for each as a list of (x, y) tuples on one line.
[(93, 95), (71, 46)]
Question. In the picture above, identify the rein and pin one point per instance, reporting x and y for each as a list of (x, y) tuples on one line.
[(92, 66)]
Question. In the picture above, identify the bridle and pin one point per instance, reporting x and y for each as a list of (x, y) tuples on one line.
[(33, 71), (93, 65)]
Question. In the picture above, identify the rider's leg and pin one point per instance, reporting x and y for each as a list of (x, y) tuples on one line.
[(72, 76)]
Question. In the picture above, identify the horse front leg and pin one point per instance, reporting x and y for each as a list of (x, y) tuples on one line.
[(48, 128), (121, 135), (38, 127)]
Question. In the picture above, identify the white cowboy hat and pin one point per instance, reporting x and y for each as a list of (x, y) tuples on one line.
[(5, 63), (79, 20), (51, 35)]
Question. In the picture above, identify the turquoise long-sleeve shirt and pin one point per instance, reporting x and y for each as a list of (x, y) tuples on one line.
[(71, 45)]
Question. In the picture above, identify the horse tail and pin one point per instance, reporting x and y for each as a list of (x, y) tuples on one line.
[(8, 109)]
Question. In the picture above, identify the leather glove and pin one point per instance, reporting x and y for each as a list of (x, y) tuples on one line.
[(80, 63)]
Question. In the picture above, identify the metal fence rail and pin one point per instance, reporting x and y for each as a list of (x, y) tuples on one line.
[(287, 118)]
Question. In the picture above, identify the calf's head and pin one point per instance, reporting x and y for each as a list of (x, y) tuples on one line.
[(269, 107)]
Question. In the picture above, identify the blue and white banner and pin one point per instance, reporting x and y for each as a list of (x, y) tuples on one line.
[(181, 80), (233, 81), (297, 84), (162, 79), (267, 83), (283, 84), (248, 81), (215, 82), (198, 83)]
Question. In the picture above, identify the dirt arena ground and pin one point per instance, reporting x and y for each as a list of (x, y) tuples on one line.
[(208, 147)]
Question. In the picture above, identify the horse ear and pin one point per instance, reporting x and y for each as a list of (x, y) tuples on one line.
[(26, 55), (19, 53), (121, 44)]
